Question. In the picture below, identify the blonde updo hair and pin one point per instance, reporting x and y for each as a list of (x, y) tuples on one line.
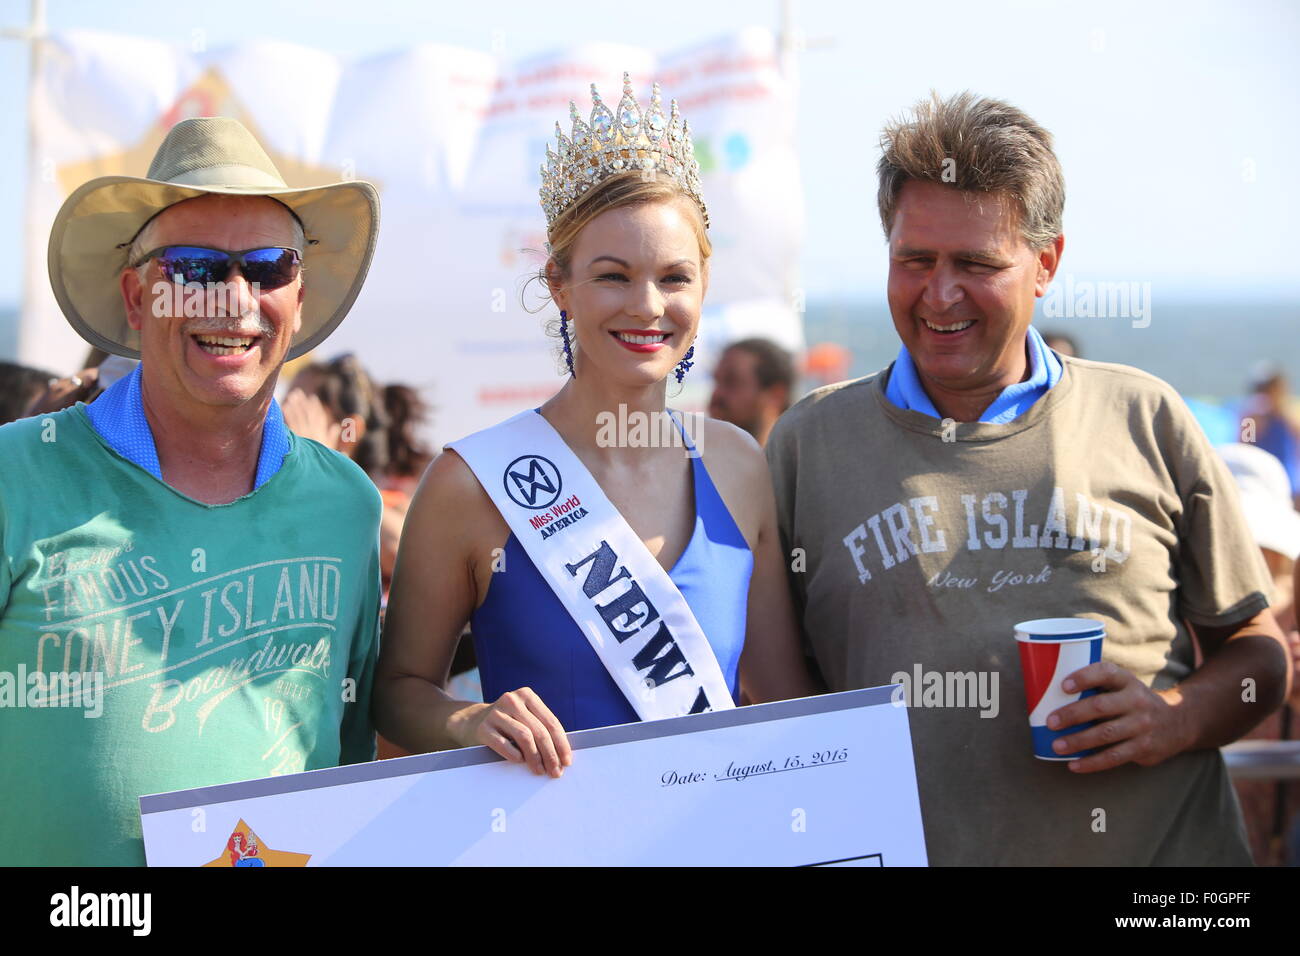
[(621, 189)]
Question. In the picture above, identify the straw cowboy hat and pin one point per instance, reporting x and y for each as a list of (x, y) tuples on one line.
[(95, 226)]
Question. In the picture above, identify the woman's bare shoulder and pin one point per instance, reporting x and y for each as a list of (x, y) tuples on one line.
[(739, 471), (734, 448), (450, 493)]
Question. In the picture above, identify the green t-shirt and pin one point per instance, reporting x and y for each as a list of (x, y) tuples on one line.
[(922, 544), (229, 641)]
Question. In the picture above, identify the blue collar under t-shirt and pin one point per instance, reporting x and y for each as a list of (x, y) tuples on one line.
[(905, 391), (118, 416)]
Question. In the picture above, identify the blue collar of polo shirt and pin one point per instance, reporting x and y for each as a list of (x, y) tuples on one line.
[(118, 416), (905, 391)]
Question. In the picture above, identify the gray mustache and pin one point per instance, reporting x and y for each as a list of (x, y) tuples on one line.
[(229, 325)]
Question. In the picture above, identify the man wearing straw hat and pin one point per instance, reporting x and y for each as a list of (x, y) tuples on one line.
[(188, 591)]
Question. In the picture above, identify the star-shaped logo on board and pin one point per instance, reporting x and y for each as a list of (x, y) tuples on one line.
[(209, 95), (245, 849)]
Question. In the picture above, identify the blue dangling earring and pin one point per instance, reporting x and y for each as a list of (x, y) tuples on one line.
[(685, 364), (564, 334)]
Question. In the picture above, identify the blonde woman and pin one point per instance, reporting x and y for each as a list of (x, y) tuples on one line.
[(605, 582)]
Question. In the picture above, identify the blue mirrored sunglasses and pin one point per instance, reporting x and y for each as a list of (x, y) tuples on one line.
[(270, 267)]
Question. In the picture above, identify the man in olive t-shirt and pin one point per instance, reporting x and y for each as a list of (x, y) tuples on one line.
[(982, 480)]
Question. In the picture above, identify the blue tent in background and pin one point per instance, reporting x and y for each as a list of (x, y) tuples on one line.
[(1221, 423)]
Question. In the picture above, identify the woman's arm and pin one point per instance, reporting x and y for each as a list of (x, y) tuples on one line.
[(435, 589), (772, 664)]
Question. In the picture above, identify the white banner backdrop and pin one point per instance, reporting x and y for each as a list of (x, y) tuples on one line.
[(453, 139)]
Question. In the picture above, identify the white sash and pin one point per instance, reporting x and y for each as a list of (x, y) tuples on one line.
[(629, 609)]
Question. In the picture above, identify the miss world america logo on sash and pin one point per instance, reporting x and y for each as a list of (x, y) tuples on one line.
[(627, 606)]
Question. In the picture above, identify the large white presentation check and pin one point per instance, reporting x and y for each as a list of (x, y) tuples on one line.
[(822, 780)]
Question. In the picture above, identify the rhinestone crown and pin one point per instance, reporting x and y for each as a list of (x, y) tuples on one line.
[(619, 142)]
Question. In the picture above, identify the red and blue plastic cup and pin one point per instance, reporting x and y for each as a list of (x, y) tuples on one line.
[(1050, 650)]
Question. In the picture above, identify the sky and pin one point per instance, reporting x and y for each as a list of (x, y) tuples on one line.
[(1175, 122)]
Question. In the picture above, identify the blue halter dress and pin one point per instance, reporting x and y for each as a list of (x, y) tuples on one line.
[(523, 636)]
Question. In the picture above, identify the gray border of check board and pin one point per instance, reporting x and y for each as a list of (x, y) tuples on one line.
[(469, 756)]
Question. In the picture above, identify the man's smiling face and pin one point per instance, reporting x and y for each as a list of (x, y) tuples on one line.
[(254, 330), (962, 284)]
